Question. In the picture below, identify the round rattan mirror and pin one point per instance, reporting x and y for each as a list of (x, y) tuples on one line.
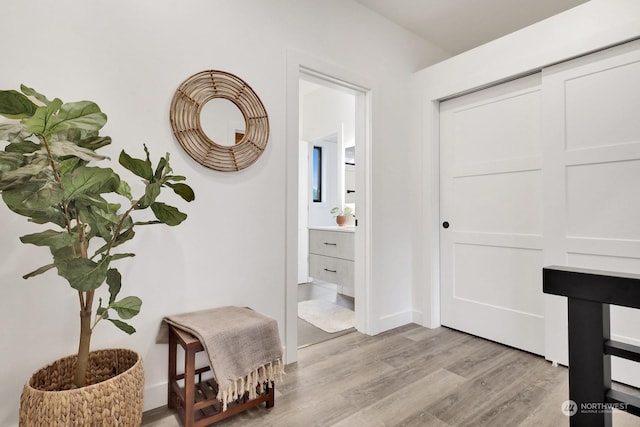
[(186, 108)]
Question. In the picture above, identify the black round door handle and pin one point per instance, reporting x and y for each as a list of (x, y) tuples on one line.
[(445, 224)]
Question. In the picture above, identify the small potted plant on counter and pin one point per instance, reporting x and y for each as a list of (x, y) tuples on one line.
[(341, 214)]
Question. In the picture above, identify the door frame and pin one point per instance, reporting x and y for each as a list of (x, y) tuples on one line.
[(299, 64), (520, 53)]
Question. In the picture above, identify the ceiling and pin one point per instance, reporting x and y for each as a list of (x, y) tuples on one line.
[(459, 25)]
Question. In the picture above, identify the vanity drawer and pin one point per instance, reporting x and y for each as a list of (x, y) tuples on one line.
[(333, 270), (337, 244)]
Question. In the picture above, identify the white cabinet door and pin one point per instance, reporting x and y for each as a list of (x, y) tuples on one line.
[(491, 198), (337, 244), (592, 182)]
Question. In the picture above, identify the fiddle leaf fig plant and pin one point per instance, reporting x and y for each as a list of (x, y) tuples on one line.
[(49, 173)]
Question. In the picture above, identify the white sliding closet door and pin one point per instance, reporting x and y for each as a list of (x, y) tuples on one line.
[(492, 198), (592, 182)]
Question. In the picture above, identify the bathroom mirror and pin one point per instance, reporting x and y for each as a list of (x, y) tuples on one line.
[(205, 103)]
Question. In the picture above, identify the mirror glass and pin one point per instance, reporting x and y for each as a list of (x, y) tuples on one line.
[(222, 121)]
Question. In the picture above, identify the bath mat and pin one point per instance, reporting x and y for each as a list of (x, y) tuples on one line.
[(326, 315)]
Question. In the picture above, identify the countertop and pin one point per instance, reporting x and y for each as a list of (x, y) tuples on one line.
[(343, 229)]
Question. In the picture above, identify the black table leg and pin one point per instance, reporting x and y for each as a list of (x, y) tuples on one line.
[(589, 367)]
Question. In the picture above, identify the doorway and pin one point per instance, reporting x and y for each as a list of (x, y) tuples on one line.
[(326, 250)]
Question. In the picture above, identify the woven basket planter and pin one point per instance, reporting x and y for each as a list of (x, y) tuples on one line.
[(113, 396)]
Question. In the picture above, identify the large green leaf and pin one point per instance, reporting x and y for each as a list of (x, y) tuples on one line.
[(13, 132), (35, 197), (57, 117), (31, 92), (100, 223), (80, 115), (68, 165), (95, 142), (120, 256), (82, 137), (168, 214), (26, 174), (10, 161), (22, 147), (15, 105), (124, 190), (99, 206), (127, 307), (160, 169), (37, 124), (151, 193), (83, 274), (68, 148), (114, 280), (123, 326), (39, 271), (89, 180), (51, 238), (65, 253), (53, 216), (141, 168), (182, 190), (42, 203), (125, 236)]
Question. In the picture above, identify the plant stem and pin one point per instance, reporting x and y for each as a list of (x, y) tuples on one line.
[(118, 229), (86, 298), (52, 161), (85, 342)]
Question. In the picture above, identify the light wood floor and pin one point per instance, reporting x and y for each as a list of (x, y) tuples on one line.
[(410, 377)]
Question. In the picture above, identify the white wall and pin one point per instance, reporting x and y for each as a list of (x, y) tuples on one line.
[(129, 57), (326, 110), (591, 26)]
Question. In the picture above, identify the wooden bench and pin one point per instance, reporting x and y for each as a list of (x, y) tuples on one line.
[(195, 401)]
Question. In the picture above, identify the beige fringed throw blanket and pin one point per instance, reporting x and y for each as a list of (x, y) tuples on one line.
[(243, 347)]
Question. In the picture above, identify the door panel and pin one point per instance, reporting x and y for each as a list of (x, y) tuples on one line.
[(510, 202), (486, 264), (491, 195), (591, 184), (601, 108), (592, 181)]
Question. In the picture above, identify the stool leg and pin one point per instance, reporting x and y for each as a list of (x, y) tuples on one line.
[(189, 386), (173, 344), (271, 392)]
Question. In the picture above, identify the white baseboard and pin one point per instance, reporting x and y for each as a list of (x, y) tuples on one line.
[(391, 321), (417, 317)]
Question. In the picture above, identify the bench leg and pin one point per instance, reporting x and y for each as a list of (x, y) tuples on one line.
[(173, 345), (189, 386), (271, 393)]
